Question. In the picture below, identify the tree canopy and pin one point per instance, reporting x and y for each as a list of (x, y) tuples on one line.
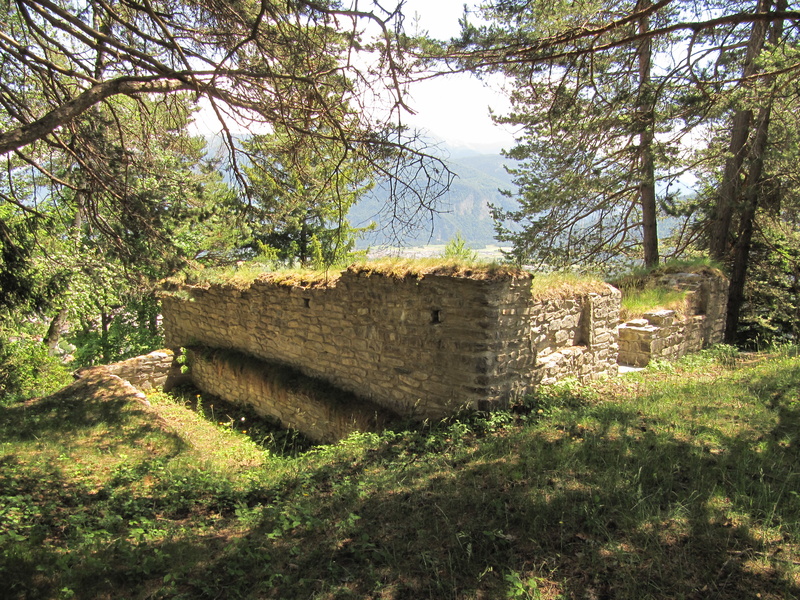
[(259, 63), (617, 102), (93, 90)]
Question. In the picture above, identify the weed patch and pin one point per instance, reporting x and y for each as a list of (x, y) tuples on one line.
[(548, 286), (637, 302)]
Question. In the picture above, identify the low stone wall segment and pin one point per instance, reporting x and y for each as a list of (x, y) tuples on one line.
[(320, 411), (153, 370), (576, 337), (419, 347), (667, 335)]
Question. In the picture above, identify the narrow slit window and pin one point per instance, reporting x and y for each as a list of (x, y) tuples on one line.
[(436, 316)]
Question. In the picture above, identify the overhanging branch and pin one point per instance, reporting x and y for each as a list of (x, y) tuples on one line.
[(63, 114)]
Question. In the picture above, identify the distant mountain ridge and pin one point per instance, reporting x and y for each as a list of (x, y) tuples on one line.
[(463, 209)]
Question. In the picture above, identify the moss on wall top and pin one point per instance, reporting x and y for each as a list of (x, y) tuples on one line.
[(543, 286), (243, 277), (642, 278), (552, 286), (400, 268)]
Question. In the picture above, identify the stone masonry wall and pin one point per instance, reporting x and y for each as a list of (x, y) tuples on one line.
[(146, 371), (419, 346), (576, 337), (666, 335), (320, 412)]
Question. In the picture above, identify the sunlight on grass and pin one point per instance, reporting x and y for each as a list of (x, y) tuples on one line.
[(636, 303), (203, 436), (641, 295), (562, 284), (653, 483)]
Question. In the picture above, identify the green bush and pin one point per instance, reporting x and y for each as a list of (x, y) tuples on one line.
[(131, 331), (27, 370), (457, 249)]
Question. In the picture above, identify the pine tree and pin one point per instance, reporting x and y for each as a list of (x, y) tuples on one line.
[(588, 156)]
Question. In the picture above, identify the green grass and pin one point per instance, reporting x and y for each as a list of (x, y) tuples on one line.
[(564, 284), (244, 275), (639, 278), (400, 268), (640, 295), (637, 302), (680, 481)]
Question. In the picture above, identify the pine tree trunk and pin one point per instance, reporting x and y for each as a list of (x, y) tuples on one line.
[(730, 187), (304, 242), (751, 196), (152, 324), (646, 116)]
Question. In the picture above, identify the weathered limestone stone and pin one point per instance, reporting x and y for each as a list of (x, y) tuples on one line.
[(147, 371), (575, 337), (664, 335)]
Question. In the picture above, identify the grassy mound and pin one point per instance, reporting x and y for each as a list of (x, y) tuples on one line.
[(243, 276)]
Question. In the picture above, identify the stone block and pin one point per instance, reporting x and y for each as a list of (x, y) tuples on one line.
[(636, 323), (660, 318)]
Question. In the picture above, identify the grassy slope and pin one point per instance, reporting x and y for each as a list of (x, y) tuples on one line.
[(680, 482)]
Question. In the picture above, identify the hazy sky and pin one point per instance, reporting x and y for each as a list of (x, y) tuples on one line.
[(455, 109), (452, 109)]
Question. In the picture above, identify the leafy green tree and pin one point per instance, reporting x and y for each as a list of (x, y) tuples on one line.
[(745, 183), (94, 101), (744, 168), (116, 228), (263, 63), (770, 310)]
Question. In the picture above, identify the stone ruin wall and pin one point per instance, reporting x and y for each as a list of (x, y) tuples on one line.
[(419, 347), (379, 346), (149, 371), (575, 337), (667, 335), (322, 413)]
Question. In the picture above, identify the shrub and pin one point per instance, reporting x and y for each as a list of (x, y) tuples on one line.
[(27, 370)]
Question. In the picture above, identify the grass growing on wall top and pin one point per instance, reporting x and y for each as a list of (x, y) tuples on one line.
[(564, 284), (641, 294), (544, 285), (640, 278), (637, 302), (401, 268), (243, 276)]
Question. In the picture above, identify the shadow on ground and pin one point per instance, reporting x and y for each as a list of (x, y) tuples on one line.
[(610, 504)]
